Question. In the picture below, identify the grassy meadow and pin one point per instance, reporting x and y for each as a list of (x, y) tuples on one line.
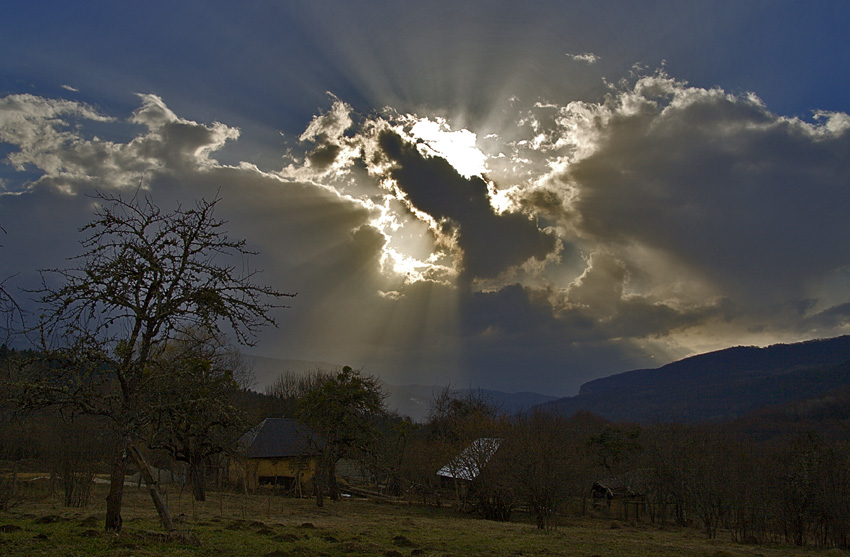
[(232, 524)]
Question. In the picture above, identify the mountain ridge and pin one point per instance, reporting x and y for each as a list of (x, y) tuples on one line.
[(716, 386)]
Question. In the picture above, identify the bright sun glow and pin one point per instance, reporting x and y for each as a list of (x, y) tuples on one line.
[(457, 147)]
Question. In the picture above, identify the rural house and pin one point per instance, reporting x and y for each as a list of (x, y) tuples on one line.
[(279, 452)]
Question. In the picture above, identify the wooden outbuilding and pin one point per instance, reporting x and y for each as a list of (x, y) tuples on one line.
[(278, 452), (619, 496)]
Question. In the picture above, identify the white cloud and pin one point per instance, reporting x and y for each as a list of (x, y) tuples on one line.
[(458, 147), (587, 57), (648, 222)]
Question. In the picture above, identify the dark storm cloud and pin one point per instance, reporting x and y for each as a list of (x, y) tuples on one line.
[(491, 243), (631, 226), (755, 202), (311, 240), (513, 334), (323, 156)]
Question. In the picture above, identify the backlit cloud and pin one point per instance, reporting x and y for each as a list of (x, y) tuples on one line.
[(587, 57), (571, 240)]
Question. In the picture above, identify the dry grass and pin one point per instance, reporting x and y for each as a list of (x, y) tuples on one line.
[(265, 524)]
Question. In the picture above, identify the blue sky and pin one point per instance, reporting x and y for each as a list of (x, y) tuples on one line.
[(510, 196)]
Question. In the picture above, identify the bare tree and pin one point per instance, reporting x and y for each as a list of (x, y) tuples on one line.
[(10, 311), (194, 415), (456, 423), (290, 387), (542, 448), (343, 409), (146, 277)]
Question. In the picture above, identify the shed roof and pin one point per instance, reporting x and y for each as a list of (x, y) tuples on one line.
[(469, 463), (280, 438)]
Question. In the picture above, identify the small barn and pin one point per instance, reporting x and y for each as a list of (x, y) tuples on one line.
[(278, 452), (619, 496)]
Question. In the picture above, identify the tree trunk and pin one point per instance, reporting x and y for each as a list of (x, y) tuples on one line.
[(333, 486), (161, 508), (320, 496), (199, 488), (116, 489), (320, 479)]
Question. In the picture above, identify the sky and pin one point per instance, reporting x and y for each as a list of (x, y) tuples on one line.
[(502, 195)]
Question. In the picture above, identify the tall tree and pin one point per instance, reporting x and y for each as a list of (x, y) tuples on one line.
[(455, 421), (343, 410), (194, 410), (146, 277), (542, 448), (10, 311)]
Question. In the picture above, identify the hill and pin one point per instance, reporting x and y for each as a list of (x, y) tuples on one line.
[(717, 386)]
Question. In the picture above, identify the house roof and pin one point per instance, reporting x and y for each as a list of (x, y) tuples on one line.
[(280, 438), (613, 488), (469, 463)]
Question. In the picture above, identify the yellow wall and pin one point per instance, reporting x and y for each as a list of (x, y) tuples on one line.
[(249, 470)]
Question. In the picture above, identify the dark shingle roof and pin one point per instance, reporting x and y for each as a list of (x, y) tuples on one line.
[(280, 438)]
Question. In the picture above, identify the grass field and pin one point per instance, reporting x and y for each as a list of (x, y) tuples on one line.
[(266, 524)]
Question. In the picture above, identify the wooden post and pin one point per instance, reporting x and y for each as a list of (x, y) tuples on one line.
[(161, 507)]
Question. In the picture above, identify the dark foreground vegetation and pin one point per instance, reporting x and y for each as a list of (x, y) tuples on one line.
[(127, 427), (733, 485), (265, 524)]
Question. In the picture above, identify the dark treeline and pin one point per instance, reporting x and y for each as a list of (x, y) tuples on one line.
[(760, 482), (780, 475)]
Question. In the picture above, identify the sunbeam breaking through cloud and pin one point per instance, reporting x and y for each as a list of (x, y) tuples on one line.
[(505, 216)]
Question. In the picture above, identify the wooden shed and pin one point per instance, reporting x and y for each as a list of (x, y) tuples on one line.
[(619, 496), (278, 452)]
